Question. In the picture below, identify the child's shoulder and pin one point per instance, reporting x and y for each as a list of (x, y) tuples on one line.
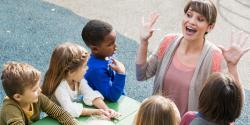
[(190, 114), (9, 102), (9, 106), (94, 62), (188, 117), (97, 65), (10, 112)]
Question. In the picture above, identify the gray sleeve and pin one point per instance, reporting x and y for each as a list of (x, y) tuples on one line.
[(147, 70)]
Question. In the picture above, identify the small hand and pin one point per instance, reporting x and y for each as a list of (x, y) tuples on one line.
[(112, 113), (147, 27), (102, 113), (117, 66), (237, 49)]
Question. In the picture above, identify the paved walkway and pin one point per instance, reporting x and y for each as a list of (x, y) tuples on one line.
[(125, 16), (30, 29)]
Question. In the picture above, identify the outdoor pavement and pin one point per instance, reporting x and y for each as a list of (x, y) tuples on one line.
[(30, 29), (125, 16)]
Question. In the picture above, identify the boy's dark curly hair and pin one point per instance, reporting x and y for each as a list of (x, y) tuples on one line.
[(94, 32)]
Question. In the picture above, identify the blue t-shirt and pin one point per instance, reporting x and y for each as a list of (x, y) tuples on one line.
[(102, 78)]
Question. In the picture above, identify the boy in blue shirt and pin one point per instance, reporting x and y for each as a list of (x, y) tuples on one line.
[(105, 74)]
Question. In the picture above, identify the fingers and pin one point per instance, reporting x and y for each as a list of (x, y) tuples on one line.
[(153, 19), (117, 66), (232, 37), (156, 29), (244, 39), (142, 20), (113, 113), (114, 61), (113, 64), (245, 51), (117, 114), (222, 48), (238, 38), (110, 113), (103, 112)]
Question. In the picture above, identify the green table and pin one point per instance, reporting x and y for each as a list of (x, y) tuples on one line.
[(126, 106)]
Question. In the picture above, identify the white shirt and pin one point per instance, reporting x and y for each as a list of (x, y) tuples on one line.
[(66, 96)]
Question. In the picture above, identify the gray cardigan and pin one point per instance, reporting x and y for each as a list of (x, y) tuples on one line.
[(158, 68)]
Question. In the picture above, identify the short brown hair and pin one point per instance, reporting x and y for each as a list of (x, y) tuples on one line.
[(18, 76), (157, 110), (203, 7), (221, 99)]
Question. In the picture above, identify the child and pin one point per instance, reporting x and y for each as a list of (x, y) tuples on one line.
[(63, 82), (220, 102), (221, 98), (25, 101), (105, 74), (157, 110)]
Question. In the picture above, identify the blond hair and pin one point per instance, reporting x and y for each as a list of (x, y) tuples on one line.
[(17, 76), (157, 110), (66, 57)]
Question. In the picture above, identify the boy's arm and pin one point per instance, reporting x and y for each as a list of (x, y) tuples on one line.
[(56, 112), (101, 81)]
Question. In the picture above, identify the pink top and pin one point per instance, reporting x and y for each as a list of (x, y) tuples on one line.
[(188, 118), (177, 82), (178, 77)]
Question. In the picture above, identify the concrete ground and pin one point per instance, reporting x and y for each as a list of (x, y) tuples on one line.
[(30, 29), (125, 16)]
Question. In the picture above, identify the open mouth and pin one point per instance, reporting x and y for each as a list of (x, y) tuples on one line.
[(190, 30)]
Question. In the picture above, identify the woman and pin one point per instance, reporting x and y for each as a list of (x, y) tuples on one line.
[(183, 62)]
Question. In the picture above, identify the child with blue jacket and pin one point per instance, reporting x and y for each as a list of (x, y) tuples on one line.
[(105, 74)]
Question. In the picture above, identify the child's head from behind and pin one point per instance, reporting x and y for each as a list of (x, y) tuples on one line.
[(157, 110), (68, 61), (100, 37), (21, 82), (221, 99)]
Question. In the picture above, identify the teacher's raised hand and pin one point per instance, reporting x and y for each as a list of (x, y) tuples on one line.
[(237, 48), (147, 26)]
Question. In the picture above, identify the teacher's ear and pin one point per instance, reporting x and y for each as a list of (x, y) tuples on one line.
[(210, 27)]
